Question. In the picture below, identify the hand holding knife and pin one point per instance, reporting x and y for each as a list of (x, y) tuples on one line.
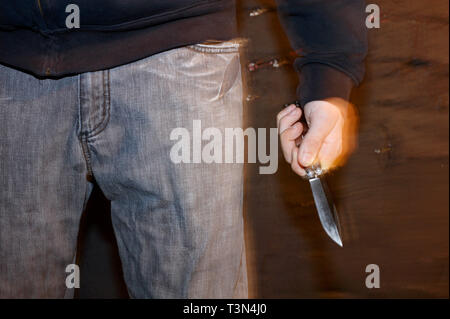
[(322, 196)]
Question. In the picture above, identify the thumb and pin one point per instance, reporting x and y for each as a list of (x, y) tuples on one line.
[(321, 125)]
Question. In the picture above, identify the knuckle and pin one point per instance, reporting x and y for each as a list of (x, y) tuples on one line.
[(279, 116), (282, 121), (284, 136), (291, 131)]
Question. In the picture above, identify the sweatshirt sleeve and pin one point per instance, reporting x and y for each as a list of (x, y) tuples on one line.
[(330, 37)]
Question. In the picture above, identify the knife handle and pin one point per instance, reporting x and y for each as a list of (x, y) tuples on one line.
[(315, 170)]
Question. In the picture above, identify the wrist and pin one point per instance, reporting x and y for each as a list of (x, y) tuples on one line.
[(335, 106)]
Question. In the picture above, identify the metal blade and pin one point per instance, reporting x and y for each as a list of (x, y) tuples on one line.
[(326, 209)]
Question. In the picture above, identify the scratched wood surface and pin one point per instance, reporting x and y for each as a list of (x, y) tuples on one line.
[(392, 195)]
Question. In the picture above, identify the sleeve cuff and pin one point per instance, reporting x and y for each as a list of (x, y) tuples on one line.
[(320, 81)]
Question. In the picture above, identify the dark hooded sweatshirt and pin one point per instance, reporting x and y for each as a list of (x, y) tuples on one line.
[(329, 34)]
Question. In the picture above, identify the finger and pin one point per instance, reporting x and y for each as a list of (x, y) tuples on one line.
[(284, 112), (295, 165), (311, 144), (289, 119), (288, 140)]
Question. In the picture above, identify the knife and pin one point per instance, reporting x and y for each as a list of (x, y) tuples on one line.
[(323, 199)]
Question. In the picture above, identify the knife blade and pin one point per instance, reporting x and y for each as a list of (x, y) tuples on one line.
[(326, 209)]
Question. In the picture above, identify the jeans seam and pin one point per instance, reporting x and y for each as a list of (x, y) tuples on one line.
[(106, 107), (82, 136), (86, 153), (79, 121), (243, 251)]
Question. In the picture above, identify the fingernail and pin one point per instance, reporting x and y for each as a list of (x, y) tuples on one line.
[(295, 111), (291, 108)]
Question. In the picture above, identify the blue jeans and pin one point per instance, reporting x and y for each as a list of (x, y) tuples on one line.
[(179, 227)]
